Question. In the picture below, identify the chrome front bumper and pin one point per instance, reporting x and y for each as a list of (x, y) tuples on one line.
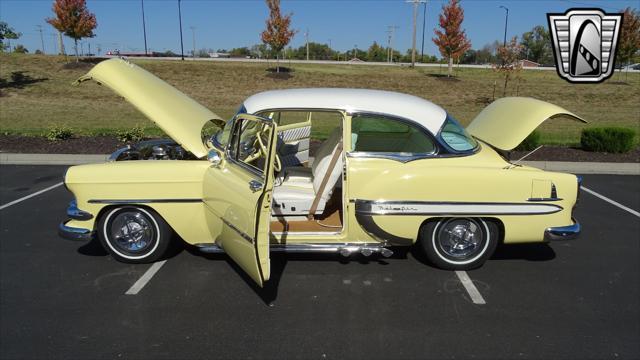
[(569, 232), (73, 233)]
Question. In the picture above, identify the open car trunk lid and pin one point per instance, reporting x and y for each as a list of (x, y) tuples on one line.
[(178, 115), (506, 122)]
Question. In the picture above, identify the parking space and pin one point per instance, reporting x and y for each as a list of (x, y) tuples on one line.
[(60, 299)]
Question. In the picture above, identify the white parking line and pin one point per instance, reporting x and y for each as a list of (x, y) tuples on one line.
[(144, 279), (476, 297), (30, 196), (611, 201)]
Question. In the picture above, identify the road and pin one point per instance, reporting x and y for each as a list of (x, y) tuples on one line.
[(569, 300)]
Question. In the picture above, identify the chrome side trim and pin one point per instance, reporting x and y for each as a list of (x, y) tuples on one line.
[(77, 214), (242, 234), (141, 201), (412, 208), (344, 249), (391, 156), (544, 199), (72, 233), (568, 232)]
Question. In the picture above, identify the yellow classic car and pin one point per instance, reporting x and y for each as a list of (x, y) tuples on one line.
[(349, 171)]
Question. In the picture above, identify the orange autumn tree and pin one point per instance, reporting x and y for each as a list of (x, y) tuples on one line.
[(73, 19), (277, 34), (452, 40)]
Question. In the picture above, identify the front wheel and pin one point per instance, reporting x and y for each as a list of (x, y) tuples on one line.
[(459, 243), (134, 234)]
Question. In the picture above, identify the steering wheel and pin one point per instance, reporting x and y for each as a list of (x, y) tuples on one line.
[(263, 149)]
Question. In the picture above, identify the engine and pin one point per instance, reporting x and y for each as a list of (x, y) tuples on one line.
[(162, 149)]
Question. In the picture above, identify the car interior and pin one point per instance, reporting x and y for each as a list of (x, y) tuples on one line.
[(307, 193)]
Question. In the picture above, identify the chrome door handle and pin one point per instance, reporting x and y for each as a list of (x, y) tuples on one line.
[(255, 185)]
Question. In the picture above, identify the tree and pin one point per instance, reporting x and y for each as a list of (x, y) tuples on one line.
[(73, 19), (629, 42), (377, 53), (7, 32), (537, 45), (277, 34), (20, 49), (510, 63), (452, 40)]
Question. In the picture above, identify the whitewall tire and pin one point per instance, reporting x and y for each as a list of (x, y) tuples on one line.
[(459, 243), (133, 234)]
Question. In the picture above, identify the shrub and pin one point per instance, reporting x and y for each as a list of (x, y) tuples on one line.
[(607, 139), (130, 135), (58, 132), (530, 142)]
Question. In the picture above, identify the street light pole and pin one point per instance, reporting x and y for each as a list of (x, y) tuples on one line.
[(506, 21), (144, 28), (181, 42), (424, 22)]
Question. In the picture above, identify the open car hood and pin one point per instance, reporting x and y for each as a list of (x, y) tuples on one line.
[(178, 115), (506, 122)]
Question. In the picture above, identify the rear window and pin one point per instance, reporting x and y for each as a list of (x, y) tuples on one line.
[(456, 137)]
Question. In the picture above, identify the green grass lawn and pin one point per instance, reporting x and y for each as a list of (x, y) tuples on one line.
[(45, 98)]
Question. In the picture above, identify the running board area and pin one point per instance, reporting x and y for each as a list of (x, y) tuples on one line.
[(342, 249)]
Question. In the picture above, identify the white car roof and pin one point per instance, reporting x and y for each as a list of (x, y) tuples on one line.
[(418, 110)]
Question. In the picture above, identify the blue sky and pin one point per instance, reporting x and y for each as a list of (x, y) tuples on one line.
[(227, 24)]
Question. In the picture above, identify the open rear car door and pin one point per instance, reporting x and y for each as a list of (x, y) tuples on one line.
[(239, 191)]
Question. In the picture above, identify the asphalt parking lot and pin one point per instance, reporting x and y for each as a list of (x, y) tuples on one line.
[(61, 299)]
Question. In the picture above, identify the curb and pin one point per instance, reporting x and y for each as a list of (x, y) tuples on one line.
[(564, 166), (50, 159)]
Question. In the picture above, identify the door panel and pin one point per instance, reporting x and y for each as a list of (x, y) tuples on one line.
[(239, 193), (293, 144)]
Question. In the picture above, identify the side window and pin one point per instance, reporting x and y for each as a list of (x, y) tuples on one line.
[(370, 133), (249, 143)]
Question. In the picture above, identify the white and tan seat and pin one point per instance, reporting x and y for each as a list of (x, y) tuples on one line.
[(298, 186)]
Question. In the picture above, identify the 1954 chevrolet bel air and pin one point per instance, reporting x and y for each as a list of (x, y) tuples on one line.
[(392, 170)]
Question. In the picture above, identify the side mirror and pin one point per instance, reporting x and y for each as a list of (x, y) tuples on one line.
[(214, 157)]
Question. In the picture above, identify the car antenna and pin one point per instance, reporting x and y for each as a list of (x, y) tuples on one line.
[(515, 163)]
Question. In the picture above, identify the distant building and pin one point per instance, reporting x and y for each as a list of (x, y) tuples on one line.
[(219, 55), (528, 63)]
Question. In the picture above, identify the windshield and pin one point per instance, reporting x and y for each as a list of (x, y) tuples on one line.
[(221, 138), (456, 137)]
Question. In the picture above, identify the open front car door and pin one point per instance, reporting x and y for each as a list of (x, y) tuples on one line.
[(238, 191)]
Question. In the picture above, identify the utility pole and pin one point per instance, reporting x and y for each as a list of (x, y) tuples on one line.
[(144, 28), (41, 37), (193, 33), (506, 21), (415, 3), (424, 22), (89, 44), (306, 39), (180, 20), (391, 29)]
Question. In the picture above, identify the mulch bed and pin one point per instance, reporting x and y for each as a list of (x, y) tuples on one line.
[(108, 144)]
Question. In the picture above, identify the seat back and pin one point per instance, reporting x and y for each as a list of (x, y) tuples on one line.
[(321, 163)]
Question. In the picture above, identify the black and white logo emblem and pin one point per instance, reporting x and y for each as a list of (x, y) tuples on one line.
[(584, 44)]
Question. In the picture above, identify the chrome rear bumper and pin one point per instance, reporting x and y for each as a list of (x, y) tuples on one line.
[(568, 232), (72, 233)]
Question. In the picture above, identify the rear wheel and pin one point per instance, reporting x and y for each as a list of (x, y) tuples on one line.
[(459, 243), (133, 234)]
